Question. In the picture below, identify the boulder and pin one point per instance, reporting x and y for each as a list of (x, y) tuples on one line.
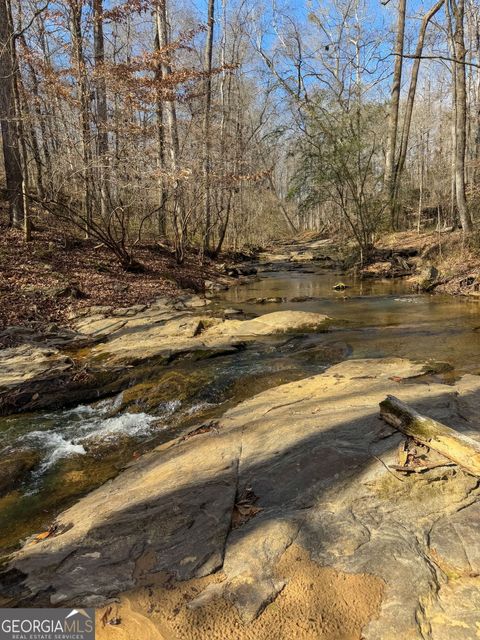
[(427, 279), (271, 324)]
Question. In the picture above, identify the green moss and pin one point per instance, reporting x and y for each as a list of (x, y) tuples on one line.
[(171, 385)]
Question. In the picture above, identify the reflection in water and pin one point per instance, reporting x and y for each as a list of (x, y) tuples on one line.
[(80, 449), (383, 317)]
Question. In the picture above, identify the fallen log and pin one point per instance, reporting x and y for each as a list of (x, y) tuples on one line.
[(455, 446)]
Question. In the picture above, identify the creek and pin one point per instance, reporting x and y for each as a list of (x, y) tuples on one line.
[(68, 453)]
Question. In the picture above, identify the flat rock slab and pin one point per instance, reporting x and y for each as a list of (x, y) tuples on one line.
[(170, 514), (454, 614), (147, 335), (23, 363), (310, 458), (454, 541), (271, 324)]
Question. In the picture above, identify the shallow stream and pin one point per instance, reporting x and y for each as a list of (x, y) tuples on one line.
[(78, 449)]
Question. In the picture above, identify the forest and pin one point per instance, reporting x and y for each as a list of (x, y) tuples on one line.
[(229, 124)]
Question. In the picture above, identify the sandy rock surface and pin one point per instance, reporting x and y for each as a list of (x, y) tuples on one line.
[(303, 465)]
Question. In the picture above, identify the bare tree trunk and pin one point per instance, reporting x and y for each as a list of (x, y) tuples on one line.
[(458, 12), (22, 145), (101, 104), (76, 18), (161, 164), (224, 226), (8, 117), (389, 183), (422, 176), (171, 113), (48, 140), (206, 123), (411, 95)]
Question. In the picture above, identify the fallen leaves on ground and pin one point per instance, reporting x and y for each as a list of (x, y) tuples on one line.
[(52, 277), (244, 508)]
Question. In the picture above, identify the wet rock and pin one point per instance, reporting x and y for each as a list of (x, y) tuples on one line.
[(248, 271), (303, 299), (328, 353), (240, 270), (273, 300), (166, 392), (232, 312), (14, 466)]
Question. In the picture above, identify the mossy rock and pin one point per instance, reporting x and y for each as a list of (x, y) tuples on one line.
[(176, 385), (14, 466)]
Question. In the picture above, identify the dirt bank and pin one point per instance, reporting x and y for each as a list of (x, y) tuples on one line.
[(53, 278), (432, 262)]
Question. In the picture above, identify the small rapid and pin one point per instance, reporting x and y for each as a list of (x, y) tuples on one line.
[(73, 432), (61, 455)]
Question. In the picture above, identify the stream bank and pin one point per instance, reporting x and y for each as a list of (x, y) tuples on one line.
[(270, 467)]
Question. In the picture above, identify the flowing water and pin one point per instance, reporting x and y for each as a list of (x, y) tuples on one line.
[(382, 318), (78, 449)]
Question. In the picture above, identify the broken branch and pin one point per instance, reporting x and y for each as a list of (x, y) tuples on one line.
[(455, 446)]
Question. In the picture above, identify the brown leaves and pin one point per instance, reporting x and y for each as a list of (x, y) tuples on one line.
[(45, 534), (30, 274), (244, 508), (42, 536)]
